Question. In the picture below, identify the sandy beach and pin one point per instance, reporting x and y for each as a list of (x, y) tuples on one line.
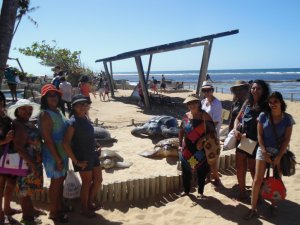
[(220, 207)]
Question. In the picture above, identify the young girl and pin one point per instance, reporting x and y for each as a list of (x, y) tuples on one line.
[(79, 144)]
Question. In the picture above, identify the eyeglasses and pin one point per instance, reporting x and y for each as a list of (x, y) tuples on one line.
[(206, 90)]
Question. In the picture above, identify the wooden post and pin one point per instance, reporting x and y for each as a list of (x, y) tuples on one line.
[(136, 188), (117, 191), (222, 162), (227, 161), (157, 190), (111, 70), (110, 192), (109, 79), (204, 65), (140, 69), (149, 67), (104, 192), (142, 188), (99, 194), (130, 189), (232, 160), (163, 184), (152, 187), (123, 190), (292, 97), (176, 182), (147, 187)]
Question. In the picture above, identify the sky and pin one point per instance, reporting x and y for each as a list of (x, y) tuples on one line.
[(268, 35)]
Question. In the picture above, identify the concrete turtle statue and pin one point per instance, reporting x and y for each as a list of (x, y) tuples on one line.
[(164, 148), (102, 135), (111, 159), (166, 126)]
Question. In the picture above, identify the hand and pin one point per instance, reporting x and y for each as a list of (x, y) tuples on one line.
[(238, 135), (82, 164), (267, 157), (276, 161), (180, 149), (9, 136)]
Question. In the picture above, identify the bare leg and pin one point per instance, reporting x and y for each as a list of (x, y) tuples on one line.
[(86, 177), (241, 169), (97, 180), (2, 186), (55, 193), (258, 179), (8, 192), (27, 208)]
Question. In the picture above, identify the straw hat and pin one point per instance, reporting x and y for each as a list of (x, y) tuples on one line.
[(207, 85), (191, 98), (239, 83), (80, 98), (49, 87), (23, 102)]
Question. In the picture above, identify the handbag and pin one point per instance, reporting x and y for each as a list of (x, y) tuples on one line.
[(212, 148), (273, 187), (247, 145), (288, 160), (12, 163), (230, 141), (72, 184)]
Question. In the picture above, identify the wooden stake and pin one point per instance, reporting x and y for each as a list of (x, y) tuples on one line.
[(117, 191), (104, 192), (147, 188), (163, 184), (227, 161), (130, 189), (123, 190), (110, 192), (136, 188), (152, 188), (142, 188)]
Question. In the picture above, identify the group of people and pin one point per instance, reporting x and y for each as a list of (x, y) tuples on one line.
[(256, 114), (48, 143)]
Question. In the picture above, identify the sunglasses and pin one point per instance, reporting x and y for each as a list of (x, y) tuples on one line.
[(206, 90), (52, 95)]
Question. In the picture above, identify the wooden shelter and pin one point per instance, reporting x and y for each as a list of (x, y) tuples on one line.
[(205, 41)]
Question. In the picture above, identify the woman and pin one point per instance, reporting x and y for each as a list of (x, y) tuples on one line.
[(79, 144), (53, 126), (274, 133), (196, 124), (246, 125), (240, 91), (7, 182), (27, 143), (213, 107)]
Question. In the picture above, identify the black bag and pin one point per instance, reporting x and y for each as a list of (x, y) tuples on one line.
[(288, 164)]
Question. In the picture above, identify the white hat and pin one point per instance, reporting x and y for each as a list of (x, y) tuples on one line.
[(23, 102), (191, 98), (207, 85)]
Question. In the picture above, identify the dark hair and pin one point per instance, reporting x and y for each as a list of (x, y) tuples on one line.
[(44, 102), (262, 103), (278, 96), (2, 97), (62, 78)]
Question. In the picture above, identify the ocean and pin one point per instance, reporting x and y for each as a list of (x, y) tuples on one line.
[(285, 80)]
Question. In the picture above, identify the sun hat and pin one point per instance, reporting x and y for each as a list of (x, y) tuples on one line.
[(80, 98), (49, 87), (239, 83), (191, 98), (23, 102), (207, 85)]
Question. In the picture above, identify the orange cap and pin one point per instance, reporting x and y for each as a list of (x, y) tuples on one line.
[(49, 87)]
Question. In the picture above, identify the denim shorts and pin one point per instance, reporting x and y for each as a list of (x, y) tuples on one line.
[(273, 151)]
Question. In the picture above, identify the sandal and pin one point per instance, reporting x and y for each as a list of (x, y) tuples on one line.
[(62, 218), (251, 214), (38, 212)]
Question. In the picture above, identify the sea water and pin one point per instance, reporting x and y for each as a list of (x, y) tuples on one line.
[(285, 80)]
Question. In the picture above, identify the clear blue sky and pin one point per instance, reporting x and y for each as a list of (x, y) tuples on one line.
[(269, 32)]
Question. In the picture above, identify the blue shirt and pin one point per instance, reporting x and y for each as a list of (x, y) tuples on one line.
[(268, 133)]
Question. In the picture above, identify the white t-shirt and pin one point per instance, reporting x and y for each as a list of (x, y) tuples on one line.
[(215, 111), (66, 89)]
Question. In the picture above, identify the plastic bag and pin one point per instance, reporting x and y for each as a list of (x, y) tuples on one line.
[(230, 141), (72, 185)]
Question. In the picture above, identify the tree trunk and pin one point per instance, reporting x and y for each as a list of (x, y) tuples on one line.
[(7, 24)]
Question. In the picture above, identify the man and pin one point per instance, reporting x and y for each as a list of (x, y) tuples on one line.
[(10, 76), (66, 98), (56, 76), (154, 85)]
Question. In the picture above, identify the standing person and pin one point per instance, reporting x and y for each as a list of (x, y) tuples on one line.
[(10, 76), (27, 142), (53, 126), (246, 125), (272, 145), (196, 123), (154, 85), (66, 88), (101, 89), (7, 182), (213, 107), (56, 76), (140, 91), (80, 146), (163, 83), (106, 90), (208, 78), (240, 91)]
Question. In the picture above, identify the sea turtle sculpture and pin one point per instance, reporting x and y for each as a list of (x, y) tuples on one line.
[(111, 159), (102, 135), (166, 126), (164, 148)]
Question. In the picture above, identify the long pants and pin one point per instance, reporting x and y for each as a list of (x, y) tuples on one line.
[(201, 172), (62, 106)]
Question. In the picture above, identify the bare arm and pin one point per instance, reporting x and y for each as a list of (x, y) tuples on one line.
[(8, 138), (284, 145)]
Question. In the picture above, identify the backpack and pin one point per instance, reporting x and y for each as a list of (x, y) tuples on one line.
[(56, 82)]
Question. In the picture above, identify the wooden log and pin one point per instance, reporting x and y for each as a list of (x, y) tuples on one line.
[(104, 192), (222, 163), (136, 188), (123, 191), (163, 184), (110, 193), (157, 190), (142, 188), (99, 194), (152, 188), (147, 187), (180, 180), (130, 189), (176, 182), (117, 191), (170, 182), (227, 161)]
